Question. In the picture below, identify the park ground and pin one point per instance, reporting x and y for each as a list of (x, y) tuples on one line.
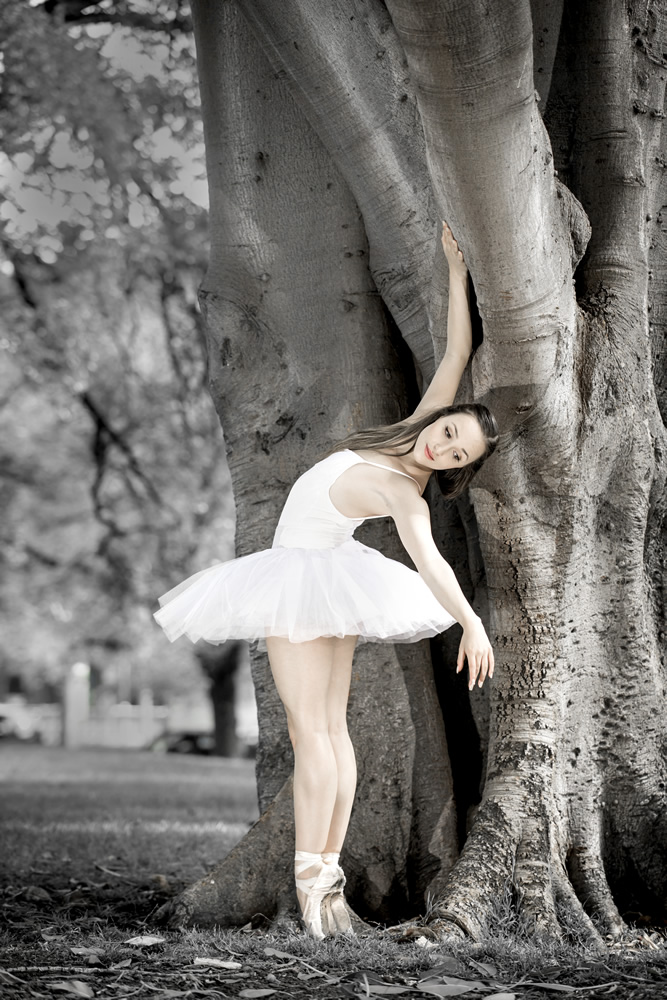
[(94, 842)]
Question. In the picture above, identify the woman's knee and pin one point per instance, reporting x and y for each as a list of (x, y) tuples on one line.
[(305, 730), (338, 733)]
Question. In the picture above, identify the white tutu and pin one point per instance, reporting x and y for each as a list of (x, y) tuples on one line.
[(303, 593)]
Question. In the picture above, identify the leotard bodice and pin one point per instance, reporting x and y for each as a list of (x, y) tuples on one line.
[(309, 519), (315, 581)]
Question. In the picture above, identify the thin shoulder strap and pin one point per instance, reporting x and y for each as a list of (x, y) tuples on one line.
[(380, 466)]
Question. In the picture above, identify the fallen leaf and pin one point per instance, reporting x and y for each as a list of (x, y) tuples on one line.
[(87, 951), (378, 990), (35, 894), (125, 964), (559, 987), (448, 964), (448, 990), (73, 986), (7, 977), (256, 993), (278, 954), (501, 996), (161, 883), (488, 970), (272, 952), (144, 941), (458, 981), (423, 942), (366, 976), (218, 963)]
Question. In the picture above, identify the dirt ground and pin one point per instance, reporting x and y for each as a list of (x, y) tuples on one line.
[(94, 842)]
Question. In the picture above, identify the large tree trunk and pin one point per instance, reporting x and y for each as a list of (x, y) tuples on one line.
[(576, 763), (301, 352), (568, 514)]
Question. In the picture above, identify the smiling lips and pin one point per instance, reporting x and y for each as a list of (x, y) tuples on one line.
[(429, 453)]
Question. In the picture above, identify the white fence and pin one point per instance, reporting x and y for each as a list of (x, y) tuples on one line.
[(105, 723)]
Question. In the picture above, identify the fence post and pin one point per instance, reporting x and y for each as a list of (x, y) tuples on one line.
[(146, 716), (76, 704)]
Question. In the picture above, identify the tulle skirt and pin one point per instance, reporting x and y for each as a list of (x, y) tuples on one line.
[(302, 594)]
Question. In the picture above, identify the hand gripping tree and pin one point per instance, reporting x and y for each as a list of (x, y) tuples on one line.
[(338, 136)]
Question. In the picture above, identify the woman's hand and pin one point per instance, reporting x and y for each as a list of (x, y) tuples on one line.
[(476, 647), (457, 264)]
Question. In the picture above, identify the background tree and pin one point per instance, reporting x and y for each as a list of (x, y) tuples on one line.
[(113, 476), (338, 136)]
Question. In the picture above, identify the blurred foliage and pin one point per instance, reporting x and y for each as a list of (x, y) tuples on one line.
[(113, 481)]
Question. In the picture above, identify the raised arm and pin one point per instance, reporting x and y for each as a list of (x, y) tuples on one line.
[(445, 382)]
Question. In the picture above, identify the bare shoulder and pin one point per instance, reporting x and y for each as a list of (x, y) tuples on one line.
[(366, 490), (406, 499)]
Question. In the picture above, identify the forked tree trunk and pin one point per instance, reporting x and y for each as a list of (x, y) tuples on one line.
[(301, 353), (568, 514)]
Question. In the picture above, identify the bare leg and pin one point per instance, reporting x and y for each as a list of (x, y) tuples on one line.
[(302, 672), (346, 765), (313, 681)]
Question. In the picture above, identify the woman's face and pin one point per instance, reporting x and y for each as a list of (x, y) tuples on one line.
[(450, 442)]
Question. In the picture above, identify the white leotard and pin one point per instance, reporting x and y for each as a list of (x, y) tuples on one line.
[(316, 580), (309, 518)]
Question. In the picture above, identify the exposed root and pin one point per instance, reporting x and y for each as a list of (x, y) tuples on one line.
[(588, 877), (259, 863), (536, 900), (286, 921), (434, 930), (359, 926), (572, 914), (550, 902), (479, 877)]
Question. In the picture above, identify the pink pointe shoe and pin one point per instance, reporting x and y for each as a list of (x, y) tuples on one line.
[(335, 908), (318, 889)]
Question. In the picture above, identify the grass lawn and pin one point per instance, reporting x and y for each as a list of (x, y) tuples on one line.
[(93, 842)]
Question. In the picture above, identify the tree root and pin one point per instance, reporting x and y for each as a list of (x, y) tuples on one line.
[(259, 863), (587, 875), (549, 901)]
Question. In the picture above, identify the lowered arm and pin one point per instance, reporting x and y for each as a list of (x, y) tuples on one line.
[(412, 517)]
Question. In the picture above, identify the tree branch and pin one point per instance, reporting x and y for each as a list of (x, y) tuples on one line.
[(71, 12), (111, 435), (346, 70)]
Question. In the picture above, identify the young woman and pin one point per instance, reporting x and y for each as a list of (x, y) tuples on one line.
[(318, 591)]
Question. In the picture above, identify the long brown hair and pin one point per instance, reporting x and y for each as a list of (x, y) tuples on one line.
[(452, 482)]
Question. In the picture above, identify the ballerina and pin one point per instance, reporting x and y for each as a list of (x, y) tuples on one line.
[(318, 591)]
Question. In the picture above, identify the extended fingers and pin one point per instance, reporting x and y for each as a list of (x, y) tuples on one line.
[(480, 666), (480, 660), (473, 669), (449, 241)]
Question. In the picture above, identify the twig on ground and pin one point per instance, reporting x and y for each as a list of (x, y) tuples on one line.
[(108, 871)]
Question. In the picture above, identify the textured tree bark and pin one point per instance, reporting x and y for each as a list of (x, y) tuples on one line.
[(293, 316), (568, 515), (576, 637), (347, 73)]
